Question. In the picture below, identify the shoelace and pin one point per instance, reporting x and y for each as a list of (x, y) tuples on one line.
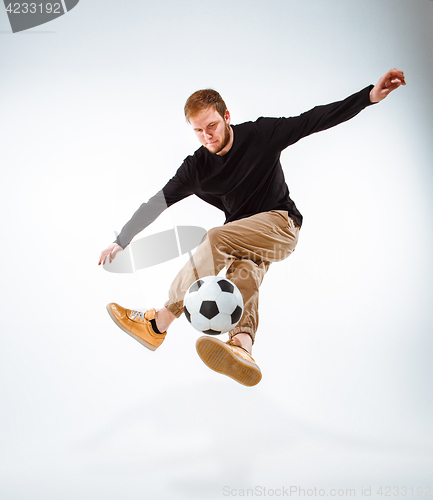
[(138, 315)]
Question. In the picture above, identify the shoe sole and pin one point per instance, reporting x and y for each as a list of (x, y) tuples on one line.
[(220, 358), (138, 339)]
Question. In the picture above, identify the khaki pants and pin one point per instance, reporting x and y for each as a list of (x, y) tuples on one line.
[(246, 247)]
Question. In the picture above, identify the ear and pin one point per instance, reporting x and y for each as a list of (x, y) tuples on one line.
[(227, 117)]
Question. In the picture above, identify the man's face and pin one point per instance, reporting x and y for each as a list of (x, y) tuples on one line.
[(212, 130)]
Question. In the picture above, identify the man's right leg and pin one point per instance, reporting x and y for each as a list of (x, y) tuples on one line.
[(150, 328), (164, 318), (141, 326)]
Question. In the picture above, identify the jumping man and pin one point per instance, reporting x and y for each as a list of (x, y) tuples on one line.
[(237, 169)]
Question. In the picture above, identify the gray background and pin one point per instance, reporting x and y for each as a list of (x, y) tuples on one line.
[(91, 126)]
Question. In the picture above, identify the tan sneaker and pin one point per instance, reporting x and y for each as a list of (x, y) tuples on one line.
[(137, 324), (229, 359)]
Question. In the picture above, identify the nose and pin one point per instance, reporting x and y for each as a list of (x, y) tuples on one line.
[(207, 135)]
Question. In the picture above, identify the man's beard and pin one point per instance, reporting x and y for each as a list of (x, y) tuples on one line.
[(225, 140)]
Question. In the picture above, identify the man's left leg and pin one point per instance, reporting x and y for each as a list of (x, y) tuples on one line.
[(233, 358), (255, 242)]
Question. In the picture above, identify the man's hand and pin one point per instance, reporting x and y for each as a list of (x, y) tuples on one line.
[(111, 252), (389, 82)]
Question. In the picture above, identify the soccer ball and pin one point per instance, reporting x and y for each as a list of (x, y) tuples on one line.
[(213, 305)]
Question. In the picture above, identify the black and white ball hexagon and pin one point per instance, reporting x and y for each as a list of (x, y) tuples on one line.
[(213, 305)]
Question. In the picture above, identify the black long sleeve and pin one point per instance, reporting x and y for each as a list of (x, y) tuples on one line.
[(248, 179)]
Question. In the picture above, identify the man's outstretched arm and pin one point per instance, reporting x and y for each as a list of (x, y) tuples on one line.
[(144, 216), (174, 191), (283, 132), (390, 81)]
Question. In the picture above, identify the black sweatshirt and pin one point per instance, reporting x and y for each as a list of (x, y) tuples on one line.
[(249, 178)]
